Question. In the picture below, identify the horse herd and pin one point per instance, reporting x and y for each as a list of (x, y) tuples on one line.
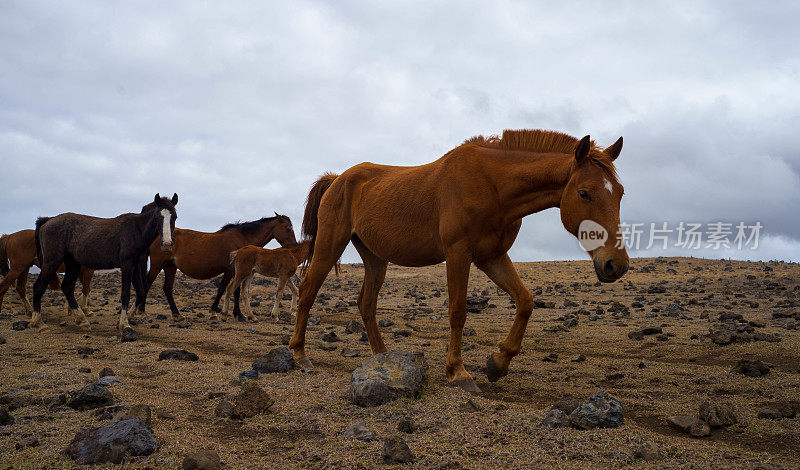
[(464, 208)]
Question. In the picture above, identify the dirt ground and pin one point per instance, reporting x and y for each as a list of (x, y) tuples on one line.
[(653, 378)]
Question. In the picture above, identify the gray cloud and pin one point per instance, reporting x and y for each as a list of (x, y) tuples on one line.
[(239, 106)]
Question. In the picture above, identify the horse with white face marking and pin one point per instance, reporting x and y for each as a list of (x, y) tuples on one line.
[(280, 263), (81, 240)]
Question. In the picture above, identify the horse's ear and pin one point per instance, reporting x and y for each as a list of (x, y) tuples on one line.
[(614, 150), (157, 199), (174, 199), (582, 150), (276, 214)]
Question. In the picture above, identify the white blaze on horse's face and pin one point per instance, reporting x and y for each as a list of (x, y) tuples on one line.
[(166, 233), (608, 185)]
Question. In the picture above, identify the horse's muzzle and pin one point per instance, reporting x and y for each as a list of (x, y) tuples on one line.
[(609, 270)]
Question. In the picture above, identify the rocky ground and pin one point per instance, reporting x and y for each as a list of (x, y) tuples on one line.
[(666, 341)]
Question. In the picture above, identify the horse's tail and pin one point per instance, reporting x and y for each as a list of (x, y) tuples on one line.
[(39, 222), (4, 268), (309, 229)]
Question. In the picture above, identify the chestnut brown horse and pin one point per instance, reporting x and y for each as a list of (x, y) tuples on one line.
[(280, 263), (202, 255), (464, 208), (17, 255)]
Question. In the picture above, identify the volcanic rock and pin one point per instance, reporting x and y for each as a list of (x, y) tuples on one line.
[(112, 443), (388, 376)]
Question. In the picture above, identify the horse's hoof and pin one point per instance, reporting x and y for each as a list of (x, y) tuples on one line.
[(85, 326), (493, 373), (468, 385), (240, 317), (305, 365)]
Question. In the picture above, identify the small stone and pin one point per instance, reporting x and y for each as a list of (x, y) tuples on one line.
[(204, 459), (129, 335), (2, 340), (388, 376), (112, 443), (360, 432), (136, 411), (690, 425), (251, 400), (5, 418), (648, 452), (26, 442), (552, 357), (106, 372), (224, 409), (85, 370), (395, 450), (277, 360), (599, 411), (717, 414), (249, 374), (185, 323), (178, 355), (385, 323), (578, 358), (567, 406), (364, 338), (326, 346), (84, 350), (401, 332), (353, 326), (350, 352), (330, 337), (91, 396), (20, 325), (107, 381), (556, 418), (406, 425), (751, 368)]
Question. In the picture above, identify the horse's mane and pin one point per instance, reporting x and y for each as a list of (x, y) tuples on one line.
[(252, 226), (542, 141)]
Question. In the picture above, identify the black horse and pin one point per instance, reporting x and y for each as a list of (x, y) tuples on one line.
[(121, 242)]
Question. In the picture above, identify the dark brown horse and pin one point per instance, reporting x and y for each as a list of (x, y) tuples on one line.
[(121, 242), (467, 207), (17, 255), (202, 255), (280, 263)]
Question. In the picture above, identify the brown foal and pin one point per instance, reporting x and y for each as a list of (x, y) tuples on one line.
[(467, 207), (280, 263)]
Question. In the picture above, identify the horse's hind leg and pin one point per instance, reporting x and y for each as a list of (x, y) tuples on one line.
[(223, 284), (71, 272), (22, 287), (48, 272), (279, 295), (170, 270), (502, 272), (232, 286), (245, 295), (329, 245), (125, 295), (86, 288), (374, 275)]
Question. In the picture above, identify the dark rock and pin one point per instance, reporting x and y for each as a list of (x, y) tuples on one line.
[(400, 333), (178, 355), (91, 396), (353, 326), (406, 425), (26, 442), (717, 414), (185, 323), (251, 400), (476, 303), (330, 337), (556, 418), (364, 338), (552, 357), (751, 368), (567, 406), (326, 346), (112, 443), (2, 340), (648, 452), (388, 376), (204, 459), (360, 432), (601, 410), (395, 450), (107, 381), (85, 350), (690, 425), (129, 335), (106, 372), (5, 418), (251, 374), (349, 352), (385, 323), (224, 409), (578, 358), (20, 325), (778, 410), (277, 360)]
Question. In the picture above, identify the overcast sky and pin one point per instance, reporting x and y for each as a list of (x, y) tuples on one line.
[(238, 106)]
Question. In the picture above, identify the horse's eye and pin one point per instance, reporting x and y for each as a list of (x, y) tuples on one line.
[(584, 195)]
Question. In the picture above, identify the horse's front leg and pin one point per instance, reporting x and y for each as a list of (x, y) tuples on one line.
[(458, 264), (502, 272), (125, 296)]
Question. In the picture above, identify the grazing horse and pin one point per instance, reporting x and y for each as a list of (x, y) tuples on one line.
[(17, 255), (280, 263), (202, 255), (120, 242), (464, 208)]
